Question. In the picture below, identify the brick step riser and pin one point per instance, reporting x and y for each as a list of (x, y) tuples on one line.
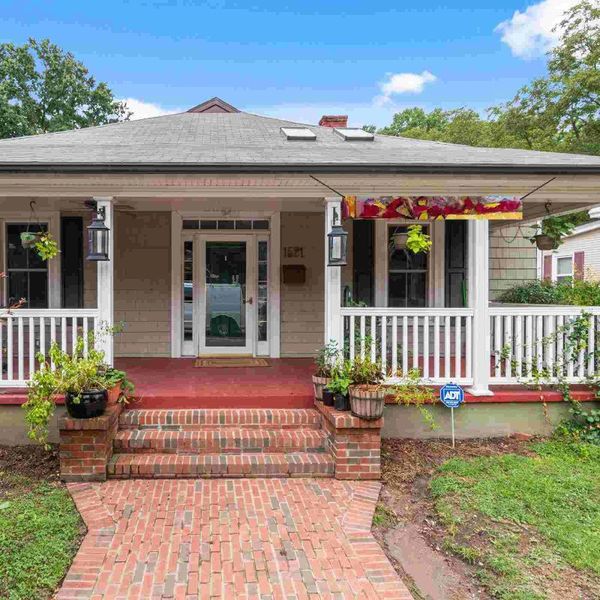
[(126, 466), (216, 442), (213, 427)]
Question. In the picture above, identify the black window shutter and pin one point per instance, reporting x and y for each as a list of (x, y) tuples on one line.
[(363, 255), (456, 264), (72, 261)]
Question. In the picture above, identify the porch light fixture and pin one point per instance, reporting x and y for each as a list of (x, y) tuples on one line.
[(338, 243), (98, 234)]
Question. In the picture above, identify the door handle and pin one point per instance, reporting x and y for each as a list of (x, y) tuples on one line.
[(249, 301)]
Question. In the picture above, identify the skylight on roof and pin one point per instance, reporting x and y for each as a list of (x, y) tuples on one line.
[(299, 133), (354, 134)]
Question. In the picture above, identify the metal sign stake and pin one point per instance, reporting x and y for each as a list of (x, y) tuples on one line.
[(452, 418)]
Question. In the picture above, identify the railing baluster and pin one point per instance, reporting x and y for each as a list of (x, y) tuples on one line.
[(426, 347), (20, 349), (52, 337), (591, 371), (457, 347), (31, 347), (9, 348), (85, 336), (404, 346), (539, 335), (415, 343), (549, 345), (498, 346), (560, 340), (447, 348), (394, 346), (362, 337), (63, 336), (43, 336), (529, 345), (383, 343), (436, 347), (508, 347), (469, 347), (73, 334), (518, 345), (373, 338)]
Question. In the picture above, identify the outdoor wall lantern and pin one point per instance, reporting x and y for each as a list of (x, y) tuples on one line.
[(98, 234), (338, 243)]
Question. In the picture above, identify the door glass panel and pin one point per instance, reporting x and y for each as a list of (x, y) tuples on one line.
[(188, 291), (225, 294), (263, 290)]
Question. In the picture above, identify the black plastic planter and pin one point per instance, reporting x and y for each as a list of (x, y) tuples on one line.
[(341, 402), (87, 404), (327, 397)]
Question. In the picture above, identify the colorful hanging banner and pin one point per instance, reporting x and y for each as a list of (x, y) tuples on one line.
[(432, 208)]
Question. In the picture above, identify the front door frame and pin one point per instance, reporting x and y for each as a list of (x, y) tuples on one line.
[(200, 298), (270, 348)]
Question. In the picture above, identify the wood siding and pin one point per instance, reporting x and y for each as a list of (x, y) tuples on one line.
[(302, 319)]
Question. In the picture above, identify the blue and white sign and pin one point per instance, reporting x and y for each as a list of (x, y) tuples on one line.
[(452, 395)]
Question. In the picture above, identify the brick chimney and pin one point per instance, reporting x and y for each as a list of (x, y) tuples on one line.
[(334, 121)]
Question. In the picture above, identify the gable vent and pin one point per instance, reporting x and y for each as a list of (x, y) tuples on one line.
[(299, 134), (354, 134)]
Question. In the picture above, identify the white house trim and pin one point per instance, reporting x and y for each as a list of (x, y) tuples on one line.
[(106, 281)]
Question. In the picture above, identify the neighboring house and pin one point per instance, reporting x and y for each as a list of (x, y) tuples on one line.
[(240, 204), (578, 257)]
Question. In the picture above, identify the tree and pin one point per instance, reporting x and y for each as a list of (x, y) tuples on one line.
[(44, 89), (558, 112)]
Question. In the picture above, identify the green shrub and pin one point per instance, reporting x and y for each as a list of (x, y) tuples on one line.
[(574, 293)]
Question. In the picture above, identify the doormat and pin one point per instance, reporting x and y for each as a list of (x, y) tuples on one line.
[(232, 362)]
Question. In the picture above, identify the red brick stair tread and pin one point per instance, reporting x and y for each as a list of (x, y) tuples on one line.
[(297, 464), (230, 440), (184, 419)]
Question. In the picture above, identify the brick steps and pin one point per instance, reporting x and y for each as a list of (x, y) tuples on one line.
[(299, 464), (202, 419), (229, 440)]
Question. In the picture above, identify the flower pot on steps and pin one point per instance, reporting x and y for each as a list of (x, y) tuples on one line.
[(327, 397), (341, 402), (367, 401), (86, 405), (319, 383)]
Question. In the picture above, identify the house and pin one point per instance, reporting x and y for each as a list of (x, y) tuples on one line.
[(578, 256), (218, 246)]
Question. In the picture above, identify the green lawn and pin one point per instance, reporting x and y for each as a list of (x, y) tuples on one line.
[(530, 524), (40, 531)]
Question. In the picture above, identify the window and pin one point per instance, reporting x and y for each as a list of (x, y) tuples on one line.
[(263, 290), (564, 268), (226, 224), (407, 272), (353, 134), (299, 134), (26, 272)]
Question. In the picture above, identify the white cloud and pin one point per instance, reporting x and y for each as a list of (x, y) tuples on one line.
[(143, 110), (530, 33), (403, 83)]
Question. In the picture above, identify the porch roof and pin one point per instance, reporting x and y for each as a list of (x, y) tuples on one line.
[(242, 142)]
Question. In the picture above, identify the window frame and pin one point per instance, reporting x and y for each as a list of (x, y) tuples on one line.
[(556, 278)]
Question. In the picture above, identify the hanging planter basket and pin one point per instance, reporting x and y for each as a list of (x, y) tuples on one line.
[(30, 238), (399, 240), (545, 242)]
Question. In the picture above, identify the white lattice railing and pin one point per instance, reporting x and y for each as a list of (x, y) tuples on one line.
[(529, 338), (437, 341), (25, 332)]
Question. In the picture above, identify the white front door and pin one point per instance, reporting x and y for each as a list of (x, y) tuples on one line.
[(225, 315)]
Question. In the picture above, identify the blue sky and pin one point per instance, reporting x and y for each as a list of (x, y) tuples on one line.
[(301, 59)]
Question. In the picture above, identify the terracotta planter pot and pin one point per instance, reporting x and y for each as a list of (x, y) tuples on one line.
[(545, 242), (367, 401), (113, 394), (319, 383)]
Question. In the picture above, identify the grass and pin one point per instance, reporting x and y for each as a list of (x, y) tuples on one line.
[(40, 530), (527, 521)]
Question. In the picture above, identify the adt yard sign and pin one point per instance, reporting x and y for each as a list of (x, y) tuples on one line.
[(452, 395)]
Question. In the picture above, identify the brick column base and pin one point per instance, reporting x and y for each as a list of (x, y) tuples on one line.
[(86, 445), (354, 443)]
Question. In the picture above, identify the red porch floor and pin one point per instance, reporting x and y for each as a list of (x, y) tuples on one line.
[(176, 383)]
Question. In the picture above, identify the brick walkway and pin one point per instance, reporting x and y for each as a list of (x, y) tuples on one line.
[(243, 539)]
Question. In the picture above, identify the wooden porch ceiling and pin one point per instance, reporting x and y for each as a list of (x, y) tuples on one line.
[(564, 192)]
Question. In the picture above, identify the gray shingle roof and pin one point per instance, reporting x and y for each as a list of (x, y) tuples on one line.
[(243, 139)]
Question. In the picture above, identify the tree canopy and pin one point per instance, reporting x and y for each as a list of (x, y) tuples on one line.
[(45, 89), (557, 112)]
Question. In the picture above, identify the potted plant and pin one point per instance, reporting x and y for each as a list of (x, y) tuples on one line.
[(367, 395), (81, 378), (119, 387), (412, 238), (339, 385), (325, 361), (41, 242), (327, 396), (550, 233), (30, 238)]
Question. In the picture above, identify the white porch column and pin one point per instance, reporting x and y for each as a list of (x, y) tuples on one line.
[(478, 286), (105, 287), (333, 280)]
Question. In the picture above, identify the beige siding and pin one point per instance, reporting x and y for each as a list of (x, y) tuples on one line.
[(589, 244), (302, 305), (143, 283), (513, 259)]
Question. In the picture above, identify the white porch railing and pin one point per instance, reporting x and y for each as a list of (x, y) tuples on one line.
[(526, 338), (437, 341), (25, 332)]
